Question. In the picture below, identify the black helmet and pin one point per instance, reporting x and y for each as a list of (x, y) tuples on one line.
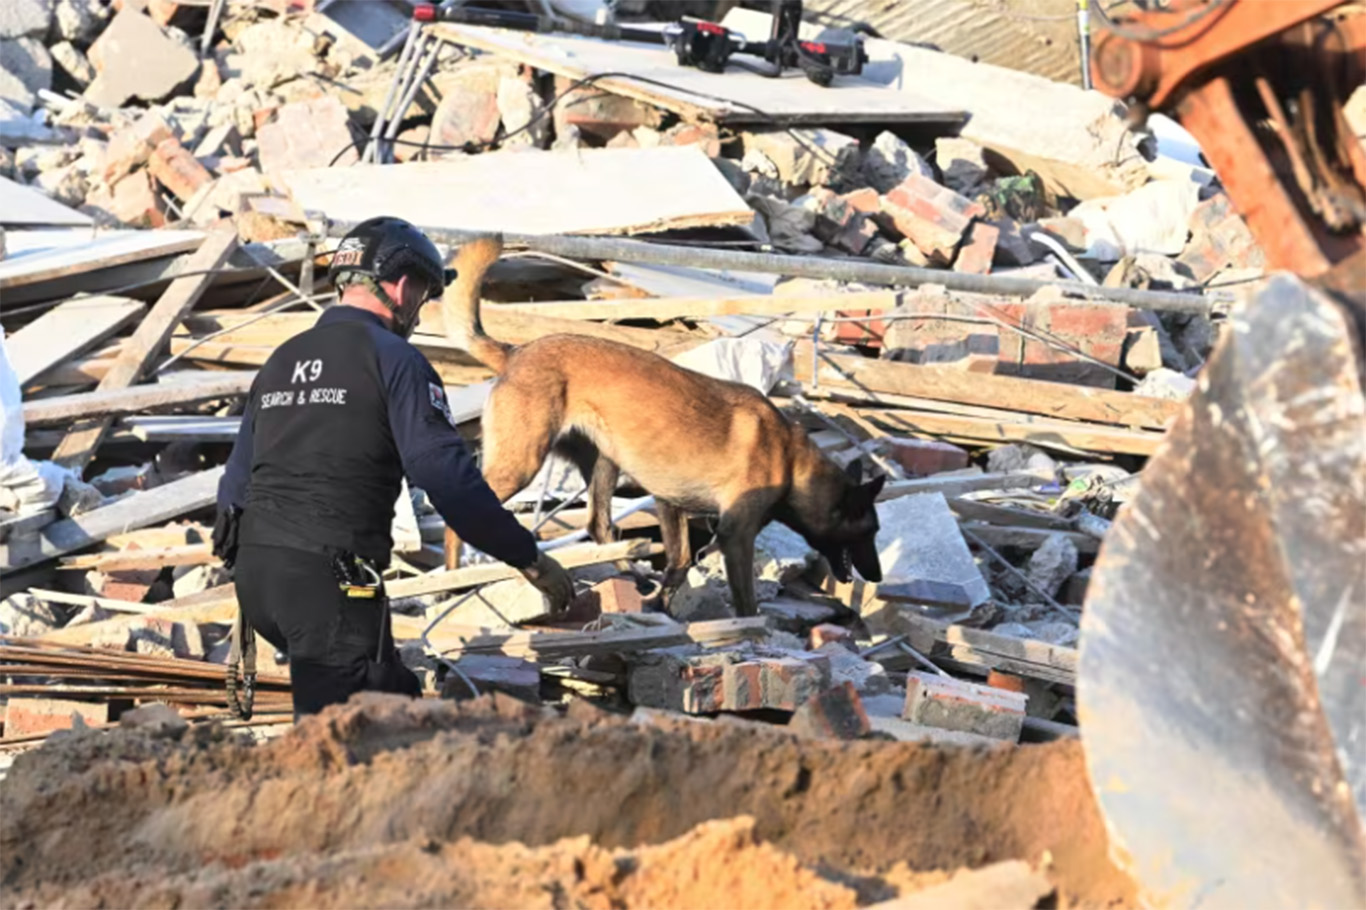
[(388, 248)]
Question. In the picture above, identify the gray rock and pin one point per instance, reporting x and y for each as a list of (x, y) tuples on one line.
[(74, 63), (25, 616), (1014, 630), (1052, 564), (1019, 457), (157, 719), (890, 161), (869, 678), (189, 580), (29, 61), (140, 61), (79, 21), (25, 18), (961, 162), (1165, 383), (781, 554), (1064, 634), (501, 605), (702, 596), (67, 184)]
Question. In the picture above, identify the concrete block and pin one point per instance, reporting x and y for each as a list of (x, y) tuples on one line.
[(518, 103), (495, 673), (789, 681), (829, 633), (26, 716), (924, 557), (589, 111), (680, 679), (188, 580), (922, 457), (29, 61), (74, 63), (501, 605), (175, 168), (978, 250), (25, 18), (137, 59), (306, 134), (791, 615), (1070, 232), (677, 681), (962, 163), (1151, 219), (159, 637), (704, 135), (468, 111), (836, 713), (932, 217), (24, 616), (781, 554), (951, 704), (811, 157), (868, 677), (890, 161), (131, 147), (1219, 239)]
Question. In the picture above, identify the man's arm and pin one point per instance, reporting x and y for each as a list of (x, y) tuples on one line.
[(232, 487), (435, 459)]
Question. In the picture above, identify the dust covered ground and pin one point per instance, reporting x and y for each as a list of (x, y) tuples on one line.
[(386, 802)]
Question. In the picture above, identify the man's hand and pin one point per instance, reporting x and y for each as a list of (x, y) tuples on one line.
[(225, 535), (552, 581)]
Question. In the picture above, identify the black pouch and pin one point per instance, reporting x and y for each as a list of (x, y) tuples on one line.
[(225, 532), (387, 673)]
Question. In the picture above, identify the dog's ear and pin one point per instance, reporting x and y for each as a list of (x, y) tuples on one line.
[(874, 487), (854, 470)]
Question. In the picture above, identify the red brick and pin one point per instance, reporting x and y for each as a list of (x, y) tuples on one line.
[(1008, 681), (597, 113), (789, 681), (176, 169), (131, 147), (923, 457), (1088, 320), (619, 595), (867, 332), (744, 687), (127, 584), (932, 217), (855, 237), (978, 250), (703, 135), (952, 704), (833, 714), (865, 200), (827, 632), (306, 134), (703, 689), (136, 203), (26, 716)]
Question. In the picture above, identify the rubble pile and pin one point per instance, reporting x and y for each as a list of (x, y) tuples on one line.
[(173, 178)]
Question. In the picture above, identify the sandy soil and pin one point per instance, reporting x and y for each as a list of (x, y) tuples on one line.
[(386, 802)]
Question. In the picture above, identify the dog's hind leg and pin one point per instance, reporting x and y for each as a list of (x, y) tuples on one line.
[(673, 527), (736, 532), (601, 485)]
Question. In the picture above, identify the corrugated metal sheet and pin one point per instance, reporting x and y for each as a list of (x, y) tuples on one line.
[(1035, 36)]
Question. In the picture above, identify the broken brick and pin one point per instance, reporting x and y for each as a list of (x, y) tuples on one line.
[(836, 713), (704, 135), (978, 250), (865, 200), (176, 169), (922, 457), (829, 632), (29, 716), (932, 217), (132, 146), (137, 59), (599, 114), (306, 134), (952, 704), (615, 595), (135, 202)]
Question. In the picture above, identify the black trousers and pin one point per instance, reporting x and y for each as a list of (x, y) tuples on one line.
[(333, 641)]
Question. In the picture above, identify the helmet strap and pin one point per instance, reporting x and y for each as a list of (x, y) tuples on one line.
[(402, 324)]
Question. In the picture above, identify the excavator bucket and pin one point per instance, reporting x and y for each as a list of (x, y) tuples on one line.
[(1222, 679)]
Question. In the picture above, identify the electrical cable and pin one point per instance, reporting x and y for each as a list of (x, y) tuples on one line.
[(1151, 35)]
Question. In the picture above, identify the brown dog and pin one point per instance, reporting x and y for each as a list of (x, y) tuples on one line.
[(698, 444)]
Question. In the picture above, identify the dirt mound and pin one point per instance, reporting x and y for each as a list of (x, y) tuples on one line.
[(391, 802)]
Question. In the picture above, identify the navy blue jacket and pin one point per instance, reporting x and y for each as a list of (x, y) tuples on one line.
[(337, 416)]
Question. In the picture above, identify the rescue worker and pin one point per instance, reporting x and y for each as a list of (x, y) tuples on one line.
[(337, 416)]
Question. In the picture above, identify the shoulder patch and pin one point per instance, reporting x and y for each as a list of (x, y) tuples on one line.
[(438, 398)]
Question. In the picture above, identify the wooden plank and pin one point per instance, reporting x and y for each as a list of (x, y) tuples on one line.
[(93, 255), (66, 330), (667, 308), (1057, 435), (84, 370), (585, 191), (12, 525), (735, 96), (472, 576), (196, 554), (553, 646), (22, 206), (137, 399), (79, 447), (219, 354), (997, 536), (104, 603), (1013, 393), (136, 511), (957, 484), (1023, 656)]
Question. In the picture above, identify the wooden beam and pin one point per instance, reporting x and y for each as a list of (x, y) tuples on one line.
[(553, 646), (957, 484), (473, 576), (89, 600), (217, 604), (195, 554), (88, 369), (224, 354), (1022, 656), (1010, 393), (997, 536), (66, 330), (179, 298), (136, 399), (137, 511), (1059, 435), (666, 308)]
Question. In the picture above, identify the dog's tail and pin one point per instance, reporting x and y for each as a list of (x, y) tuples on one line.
[(460, 304)]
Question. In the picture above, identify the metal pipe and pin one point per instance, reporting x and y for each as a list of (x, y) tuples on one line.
[(860, 270), (400, 74), (419, 79)]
